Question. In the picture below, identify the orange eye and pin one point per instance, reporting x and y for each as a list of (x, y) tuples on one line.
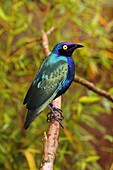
[(65, 47)]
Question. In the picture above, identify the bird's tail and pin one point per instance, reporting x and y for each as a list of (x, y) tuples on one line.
[(31, 115)]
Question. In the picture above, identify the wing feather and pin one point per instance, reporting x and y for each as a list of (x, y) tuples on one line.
[(46, 85)]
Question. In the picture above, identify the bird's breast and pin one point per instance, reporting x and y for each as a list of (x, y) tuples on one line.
[(69, 78), (71, 72)]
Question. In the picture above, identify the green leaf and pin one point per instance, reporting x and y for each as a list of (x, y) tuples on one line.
[(3, 15), (87, 99), (92, 158), (109, 138)]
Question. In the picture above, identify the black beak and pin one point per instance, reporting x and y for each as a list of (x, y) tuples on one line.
[(79, 46), (75, 46)]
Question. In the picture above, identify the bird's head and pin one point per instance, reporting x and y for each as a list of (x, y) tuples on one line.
[(65, 48)]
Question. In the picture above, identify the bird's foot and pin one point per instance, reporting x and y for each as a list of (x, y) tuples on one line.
[(53, 115), (52, 107)]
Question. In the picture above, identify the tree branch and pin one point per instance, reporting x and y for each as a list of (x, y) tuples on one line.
[(92, 87), (50, 141)]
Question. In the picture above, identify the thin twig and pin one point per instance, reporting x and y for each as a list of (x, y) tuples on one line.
[(50, 140), (92, 87), (50, 31), (25, 45), (45, 43), (15, 52)]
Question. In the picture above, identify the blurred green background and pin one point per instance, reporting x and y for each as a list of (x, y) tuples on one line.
[(86, 143)]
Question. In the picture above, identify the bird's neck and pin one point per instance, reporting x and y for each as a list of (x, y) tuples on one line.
[(71, 65), (70, 60)]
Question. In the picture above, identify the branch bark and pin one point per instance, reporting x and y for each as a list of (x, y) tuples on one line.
[(50, 141)]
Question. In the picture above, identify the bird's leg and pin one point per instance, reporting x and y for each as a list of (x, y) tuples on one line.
[(57, 109), (53, 114)]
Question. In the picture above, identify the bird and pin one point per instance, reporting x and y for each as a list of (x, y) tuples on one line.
[(54, 77)]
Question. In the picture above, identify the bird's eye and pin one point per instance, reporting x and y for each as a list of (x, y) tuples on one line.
[(65, 47)]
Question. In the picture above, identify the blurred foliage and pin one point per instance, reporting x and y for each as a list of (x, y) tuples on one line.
[(87, 22)]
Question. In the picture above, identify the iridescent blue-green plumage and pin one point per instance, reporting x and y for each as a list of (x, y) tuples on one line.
[(52, 80)]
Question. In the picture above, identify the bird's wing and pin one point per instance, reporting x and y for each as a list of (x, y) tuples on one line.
[(48, 82)]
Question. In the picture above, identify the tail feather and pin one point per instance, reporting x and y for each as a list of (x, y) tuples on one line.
[(31, 115)]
